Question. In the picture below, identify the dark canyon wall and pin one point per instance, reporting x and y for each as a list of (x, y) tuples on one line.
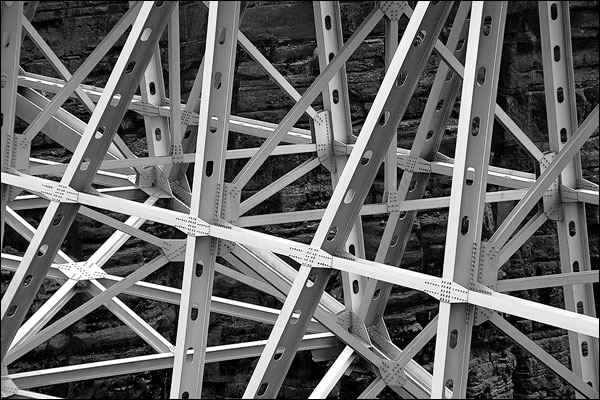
[(283, 31)]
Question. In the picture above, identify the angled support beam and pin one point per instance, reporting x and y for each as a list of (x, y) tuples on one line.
[(85, 162), (348, 196), (465, 217)]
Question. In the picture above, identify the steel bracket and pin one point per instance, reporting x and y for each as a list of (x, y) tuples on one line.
[(177, 153), (324, 139), (552, 198), (392, 373), (568, 195), (447, 291), (413, 164), (81, 271), (585, 184), (8, 387), (393, 9), (19, 161), (230, 213), (174, 249), (393, 201), (339, 148), (486, 275), (144, 108)]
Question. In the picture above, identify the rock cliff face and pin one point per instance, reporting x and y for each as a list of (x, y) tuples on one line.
[(283, 31)]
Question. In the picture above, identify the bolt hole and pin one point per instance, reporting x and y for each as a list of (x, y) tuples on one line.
[(470, 176), (279, 353), (553, 11), (130, 67), (335, 96), (556, 53), (294, 320), (57, 220), (487, 26), (366, 157), (464, 226), (85, 164), (572, 229), (355, 287), (453, 339), (481, 76), (349, 196), (560, 95), (332, 233), (27, 280), (222, 35), (146, 34), (419, 38), (401, 79), (563, 135), (218, 79), (100, 132), (383, 118), (262, 389), (352, 249), (584, 349), (412, 186), (11, 311), (475, 126)]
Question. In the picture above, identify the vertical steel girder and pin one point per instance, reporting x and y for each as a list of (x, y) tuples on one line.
[(207, 209), (207, 198), (555, 29), (465, 218)]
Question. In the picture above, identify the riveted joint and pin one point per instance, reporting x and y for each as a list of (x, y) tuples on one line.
[(393, 9), (174, 249), (230, 214), (8, 387), (310, 256), (81, 271), (392, 373), (59, 193), (413, 164), (447, 291), (192, 226), (324, 139), (552, 198), (568, 195)]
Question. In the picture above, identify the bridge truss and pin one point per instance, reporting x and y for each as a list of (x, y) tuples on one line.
[(104, 174)]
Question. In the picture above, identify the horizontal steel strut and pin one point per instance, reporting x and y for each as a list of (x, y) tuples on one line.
[(105, 175)]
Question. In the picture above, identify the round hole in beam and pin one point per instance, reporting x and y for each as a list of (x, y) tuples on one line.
[(584, 349), (209, 168), (190, 355), (327, 22), (560, 95), (332, 233), (57, 220), (556, 53), (158, 134), (420, 38), (199, 269), (331, 56), (194, 313), (453, 339), (279, 353), (352, 249), (464, 225), (294, 319), (262, 389), (366, 157), (187, 134), (554, 11), (460, 45), (218, 80), (481, 76), (487, 26), (429, 135), (563, 135), (100, 132), (312, 279), (130, 67), (146, 34), (222, 35), (376, 294), (12, 310), (449, 385), (439, 105), (401, 78), (5, 39), (383, 118), (475, 126), (85, 164), (335, 96), (412, 186), (27, 280), (575, 266), (355, 287), (580, 309), (185, 395), (349, 196), (449, 76), (152, 88), (572, 229)]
